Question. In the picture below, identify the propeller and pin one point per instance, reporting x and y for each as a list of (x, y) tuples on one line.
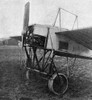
[(25, 21)]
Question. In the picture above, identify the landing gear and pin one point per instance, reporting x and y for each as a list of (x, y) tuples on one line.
[(28, 74), (41, 60), (58, 83)]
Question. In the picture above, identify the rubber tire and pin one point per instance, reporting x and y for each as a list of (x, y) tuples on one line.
[(28, 74), (55, 86)]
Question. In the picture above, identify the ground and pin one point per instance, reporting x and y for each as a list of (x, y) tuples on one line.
[(15, 86)]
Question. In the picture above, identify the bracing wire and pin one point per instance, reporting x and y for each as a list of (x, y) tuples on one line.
[(77, 23), (74, 23), (59, 13), (73, 64), (68, 11), (56, 17), (67, 68)]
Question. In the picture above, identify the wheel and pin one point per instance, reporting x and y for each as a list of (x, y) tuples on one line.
[(28, 74), (58, 83)]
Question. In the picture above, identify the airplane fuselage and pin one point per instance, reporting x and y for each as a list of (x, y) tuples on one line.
[(59, 41)]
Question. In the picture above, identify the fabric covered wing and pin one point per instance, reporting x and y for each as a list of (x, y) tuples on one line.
[(81, 36)]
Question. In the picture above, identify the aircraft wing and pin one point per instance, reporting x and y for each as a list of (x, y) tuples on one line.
[(67, 54), (81, 36)]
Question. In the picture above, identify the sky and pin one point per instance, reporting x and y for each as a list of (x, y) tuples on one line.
[(42, 12)]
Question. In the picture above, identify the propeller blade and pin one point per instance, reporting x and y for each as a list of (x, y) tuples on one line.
[(26, 21)]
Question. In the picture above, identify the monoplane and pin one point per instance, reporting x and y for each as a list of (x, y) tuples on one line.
[(44, 43)]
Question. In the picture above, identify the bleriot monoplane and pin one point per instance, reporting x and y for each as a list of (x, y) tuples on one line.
[(44, 43)]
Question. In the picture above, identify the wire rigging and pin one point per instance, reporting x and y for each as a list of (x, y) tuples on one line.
[(59, 14)]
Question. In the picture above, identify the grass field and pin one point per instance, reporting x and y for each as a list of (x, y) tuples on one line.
[(13, 83)]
